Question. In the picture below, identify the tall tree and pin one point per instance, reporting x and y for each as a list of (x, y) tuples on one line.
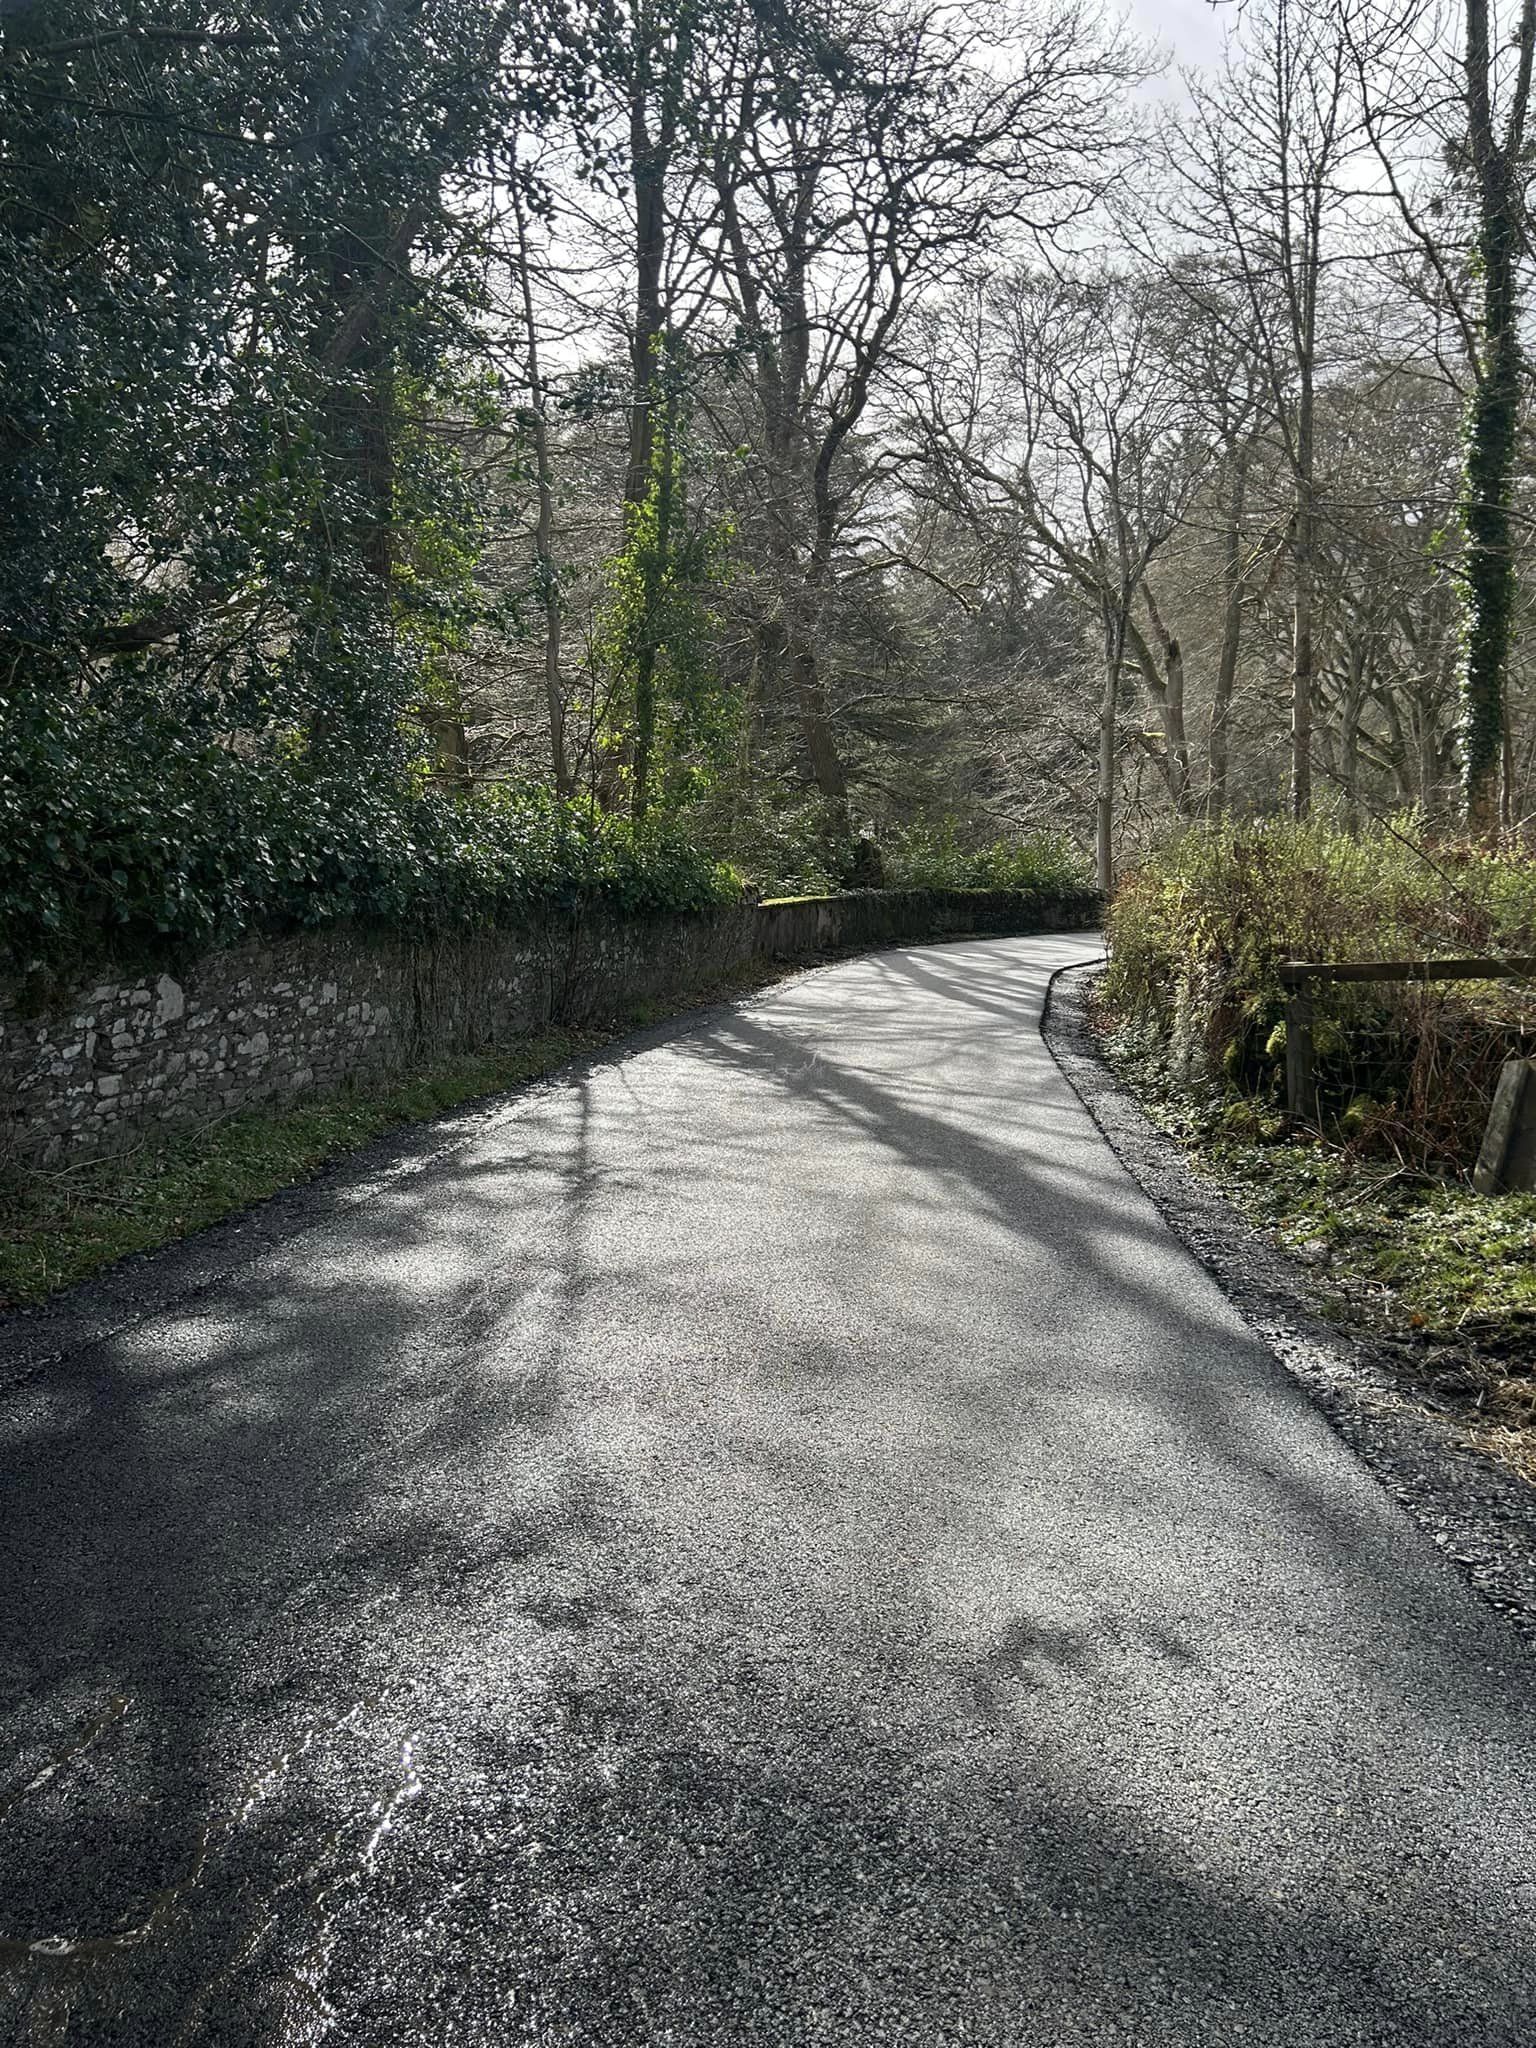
[(879, 154), (1446, 94), (1258, 157), (1496, 150), (1087, 443)]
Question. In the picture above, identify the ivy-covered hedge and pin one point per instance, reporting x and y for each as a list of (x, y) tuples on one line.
[(182, 838)]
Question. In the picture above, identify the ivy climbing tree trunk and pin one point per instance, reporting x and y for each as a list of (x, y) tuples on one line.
[(655, 562), (659, 61), (1493, 416)]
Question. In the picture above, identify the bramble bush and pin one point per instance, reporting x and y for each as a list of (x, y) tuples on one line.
[(1197, 934)]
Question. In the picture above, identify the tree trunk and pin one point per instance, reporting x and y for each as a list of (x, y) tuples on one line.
[(1104, 835), (549, 589), (781, 365), (649, 469), (1304, 527), (1493, 419), (361, 414), (1304, 571), (1399, 753), (1219, 751), (1173, 727), (544, 529), (1507, 771), (1349, 751), (654, 584), (1109, 706), (353, 534), (1170, 709), (648, 168), (816, 733), (1429, 764), (452, 768), (1490, 570), (826, 764)]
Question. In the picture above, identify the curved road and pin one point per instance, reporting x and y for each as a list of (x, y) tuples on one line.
[(768, 1541)]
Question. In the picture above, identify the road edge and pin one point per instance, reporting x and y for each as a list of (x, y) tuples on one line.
[(120, 1296), (129, 1291), (1480, 1516)]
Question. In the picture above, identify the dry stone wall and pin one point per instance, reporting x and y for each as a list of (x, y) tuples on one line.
[(93, 1068)]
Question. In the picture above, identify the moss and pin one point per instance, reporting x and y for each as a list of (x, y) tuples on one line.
[(1439, 1260)]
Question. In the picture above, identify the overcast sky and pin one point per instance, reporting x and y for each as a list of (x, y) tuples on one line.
[(1193, 29)]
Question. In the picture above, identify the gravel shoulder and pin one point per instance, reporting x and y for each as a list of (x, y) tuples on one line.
[(1481, 1515)]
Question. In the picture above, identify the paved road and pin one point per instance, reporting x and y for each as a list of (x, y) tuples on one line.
[(769, 1542)]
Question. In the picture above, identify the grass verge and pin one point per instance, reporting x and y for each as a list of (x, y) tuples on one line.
[(58, 1227), (1441, 1278)]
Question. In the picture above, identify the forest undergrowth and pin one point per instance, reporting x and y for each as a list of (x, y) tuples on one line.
[(1374, 1199)]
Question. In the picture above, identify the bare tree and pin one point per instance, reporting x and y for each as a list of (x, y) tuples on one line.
[(1258, 161), (1084, 440), (872, 157)]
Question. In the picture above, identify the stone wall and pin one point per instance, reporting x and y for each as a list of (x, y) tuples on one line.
[(92, 1069)]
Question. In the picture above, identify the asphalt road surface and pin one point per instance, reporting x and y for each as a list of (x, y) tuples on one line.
[(769, 1541)]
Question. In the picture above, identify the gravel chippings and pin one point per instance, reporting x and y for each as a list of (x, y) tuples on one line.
[(1480, 1514)]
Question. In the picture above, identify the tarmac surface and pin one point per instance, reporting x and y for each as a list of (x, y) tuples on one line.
[(768, 1541)]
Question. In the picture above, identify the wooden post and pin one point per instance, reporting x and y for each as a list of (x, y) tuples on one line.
[(1515, 1106), (1300, 1090)]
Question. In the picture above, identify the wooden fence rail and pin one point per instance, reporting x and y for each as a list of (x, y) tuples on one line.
[(1297, 976)]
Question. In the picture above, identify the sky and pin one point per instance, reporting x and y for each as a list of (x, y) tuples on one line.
[(1192, 29)]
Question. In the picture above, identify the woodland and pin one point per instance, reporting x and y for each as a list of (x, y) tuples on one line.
[(455, 454)]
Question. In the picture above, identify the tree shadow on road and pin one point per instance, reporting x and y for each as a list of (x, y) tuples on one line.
[(530, 1607)]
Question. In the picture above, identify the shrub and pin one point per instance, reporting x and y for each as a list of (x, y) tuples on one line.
[(772, 832), (934, 857), (181, 838), (1198, 932)]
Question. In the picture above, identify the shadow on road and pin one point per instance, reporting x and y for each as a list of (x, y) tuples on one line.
[(771, 1542)]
